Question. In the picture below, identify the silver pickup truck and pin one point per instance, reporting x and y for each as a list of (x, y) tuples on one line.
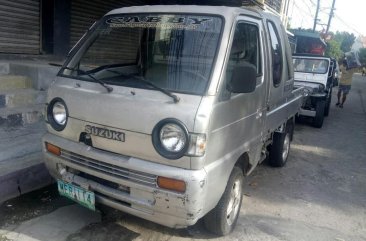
[(160, 111)]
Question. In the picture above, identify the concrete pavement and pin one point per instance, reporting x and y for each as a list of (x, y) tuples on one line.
[(54, 226)]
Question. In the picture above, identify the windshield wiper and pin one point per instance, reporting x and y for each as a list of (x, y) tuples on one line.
[(174, 97), (139, 78), (108, 88)]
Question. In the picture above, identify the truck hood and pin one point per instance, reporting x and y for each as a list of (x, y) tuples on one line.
[(310, 77), (132, 109)]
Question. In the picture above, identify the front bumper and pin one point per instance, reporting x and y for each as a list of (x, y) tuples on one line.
[(309, 103), (310, 113), (129, 184)]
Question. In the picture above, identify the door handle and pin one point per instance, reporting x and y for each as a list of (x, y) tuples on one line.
[(259, 114)]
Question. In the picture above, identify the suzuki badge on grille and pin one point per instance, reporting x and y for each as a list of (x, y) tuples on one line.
[(105, 133)]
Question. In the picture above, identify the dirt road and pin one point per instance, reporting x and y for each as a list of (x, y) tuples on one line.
[(319, 195)]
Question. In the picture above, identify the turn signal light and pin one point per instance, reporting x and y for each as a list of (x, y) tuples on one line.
[(172, 184), (53, 149)]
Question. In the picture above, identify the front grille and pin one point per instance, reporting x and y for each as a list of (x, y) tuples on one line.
[(110, 169), (99, 180)]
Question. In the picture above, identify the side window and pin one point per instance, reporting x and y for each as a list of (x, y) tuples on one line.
[(277, 63), (245, 51), (245, 48)]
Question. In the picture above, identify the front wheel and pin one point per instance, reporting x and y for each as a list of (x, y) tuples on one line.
[(319, 114), (222, 219)]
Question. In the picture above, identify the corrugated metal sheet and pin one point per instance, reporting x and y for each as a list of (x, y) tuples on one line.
[(84, 13), (20, 26)]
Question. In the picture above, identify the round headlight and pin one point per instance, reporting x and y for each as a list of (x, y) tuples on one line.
[(170, 138), (57, 114)]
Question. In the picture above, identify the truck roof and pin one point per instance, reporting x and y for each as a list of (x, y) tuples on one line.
[(227, 12)]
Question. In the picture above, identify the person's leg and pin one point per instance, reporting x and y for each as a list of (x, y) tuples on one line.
[(344, 97), (345, 93), (339, 96)]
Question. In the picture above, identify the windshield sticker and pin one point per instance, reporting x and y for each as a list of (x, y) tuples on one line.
[(157, 22)]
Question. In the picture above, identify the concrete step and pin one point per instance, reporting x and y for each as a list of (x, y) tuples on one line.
[(4, 68), (21, 116), (19, 131), (41, 73), (22, 127), (11, 82), (21, 97), (23, 174), (18, 163), (21, 145)]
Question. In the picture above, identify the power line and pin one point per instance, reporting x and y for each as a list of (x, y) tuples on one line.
[(314, 4), (303, 9), (347, 24), (305, 15), (309, 14), (309, 8)]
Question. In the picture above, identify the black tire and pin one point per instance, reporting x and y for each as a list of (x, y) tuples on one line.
[(298, 119), (329, 102), (217, 221), (280, 147), (319, 116)]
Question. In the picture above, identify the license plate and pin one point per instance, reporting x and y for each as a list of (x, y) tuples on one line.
[(77, 194)]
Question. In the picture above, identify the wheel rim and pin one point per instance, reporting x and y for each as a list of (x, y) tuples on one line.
[(234, 202), (286, 147)]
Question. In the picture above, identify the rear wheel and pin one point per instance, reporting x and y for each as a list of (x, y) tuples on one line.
[(319, 116), (280, 148), (222, 219)]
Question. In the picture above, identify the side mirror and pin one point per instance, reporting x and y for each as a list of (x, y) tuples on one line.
[(243, 79)]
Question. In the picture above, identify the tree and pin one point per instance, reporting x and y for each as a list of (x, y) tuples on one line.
[(362, 56), (345, 39), (334, 49)]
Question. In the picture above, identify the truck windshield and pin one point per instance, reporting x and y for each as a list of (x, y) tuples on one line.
[(315, 66), (174, 52)]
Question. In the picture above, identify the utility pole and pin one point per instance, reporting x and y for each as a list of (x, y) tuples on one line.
[(330, 16), (316, 15)]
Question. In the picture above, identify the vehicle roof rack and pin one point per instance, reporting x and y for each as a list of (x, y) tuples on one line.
[(253, 3)]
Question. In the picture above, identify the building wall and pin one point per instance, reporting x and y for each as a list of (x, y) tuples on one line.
[(84, 13), (52, 27)]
